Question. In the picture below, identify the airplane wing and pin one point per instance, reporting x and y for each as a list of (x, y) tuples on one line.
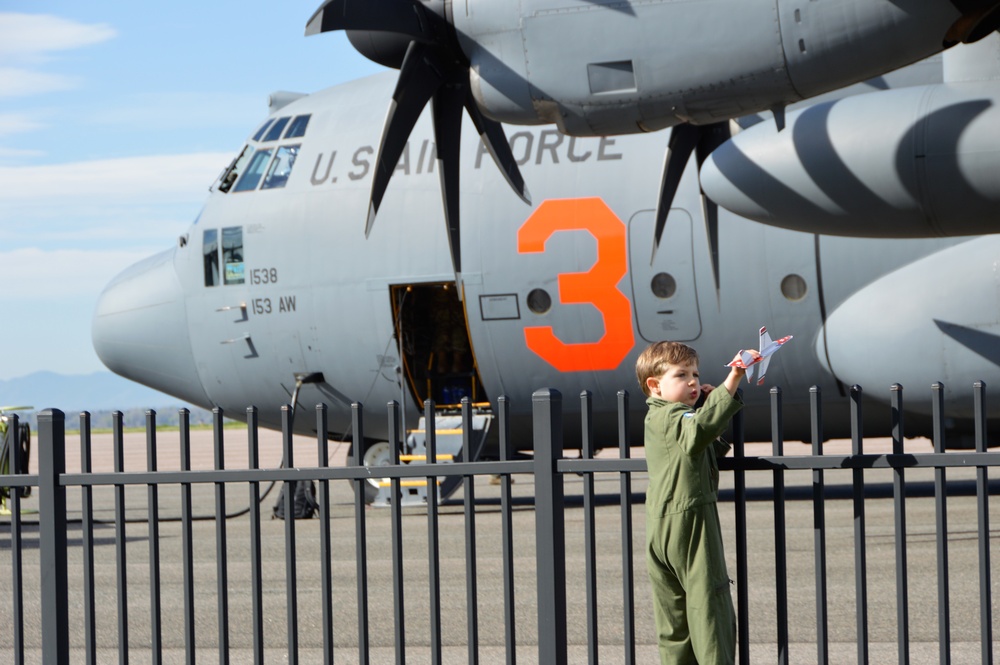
[(763, 370)]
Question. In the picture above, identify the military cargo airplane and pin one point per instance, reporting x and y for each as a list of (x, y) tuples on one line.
[(275, 290)]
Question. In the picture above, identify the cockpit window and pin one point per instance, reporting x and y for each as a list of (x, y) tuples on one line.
[(232, 254), (210, 252), (281, 167), (251, 177), (298, 127), (263, 128), (274, 133), (230, 175)]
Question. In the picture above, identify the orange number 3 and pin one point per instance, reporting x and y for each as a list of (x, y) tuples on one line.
[(598, 286)]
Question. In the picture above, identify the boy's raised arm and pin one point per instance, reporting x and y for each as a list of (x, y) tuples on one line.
[(736, 374)]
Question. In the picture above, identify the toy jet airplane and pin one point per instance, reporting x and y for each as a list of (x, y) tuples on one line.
[(767, 349)]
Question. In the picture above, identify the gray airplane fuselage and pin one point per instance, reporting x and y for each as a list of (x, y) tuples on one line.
[(560, 294)]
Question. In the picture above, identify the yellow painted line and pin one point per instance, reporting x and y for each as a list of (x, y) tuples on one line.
[(438, 431), (423, 458), (407, 483)]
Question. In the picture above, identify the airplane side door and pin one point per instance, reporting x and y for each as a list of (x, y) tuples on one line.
[(664, 292)]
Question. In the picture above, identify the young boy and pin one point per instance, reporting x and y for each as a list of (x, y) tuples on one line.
[(695, 620)]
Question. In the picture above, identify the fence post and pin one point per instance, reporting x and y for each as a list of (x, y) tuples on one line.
[(780, 532), (983, 512), (941, 524), (899, 504), (625, 504), (52, 536), (14, 463), (742, 566), (360, 530), (819, 528), (860, 551), (550, 528), (291, 580)]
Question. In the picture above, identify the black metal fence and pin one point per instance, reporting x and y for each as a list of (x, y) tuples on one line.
[(549, 470)]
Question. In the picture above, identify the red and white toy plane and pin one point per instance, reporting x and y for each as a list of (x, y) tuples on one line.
[(767, 348)]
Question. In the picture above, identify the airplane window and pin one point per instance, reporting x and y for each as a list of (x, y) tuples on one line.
[(274, 133), (235, 169), (251, 177), (539, 301), (663, 285), (210, 253), (232, 254), (794, 287), (281, 167), (298, 127), (263, 128)]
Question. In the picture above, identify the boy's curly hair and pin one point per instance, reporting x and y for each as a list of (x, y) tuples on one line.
[(653, 361)]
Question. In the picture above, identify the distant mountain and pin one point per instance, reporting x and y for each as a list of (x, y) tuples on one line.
[(100, 391)]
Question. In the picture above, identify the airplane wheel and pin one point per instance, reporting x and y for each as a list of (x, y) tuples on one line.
[(376, 454)]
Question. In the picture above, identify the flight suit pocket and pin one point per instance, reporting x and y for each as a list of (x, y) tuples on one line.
[(712, 595)]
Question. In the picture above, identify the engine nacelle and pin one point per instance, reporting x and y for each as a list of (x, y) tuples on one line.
[(932, 320), (612, 68), (906, 163)]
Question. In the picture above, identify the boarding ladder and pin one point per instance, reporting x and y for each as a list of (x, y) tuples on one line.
[(448, 435)]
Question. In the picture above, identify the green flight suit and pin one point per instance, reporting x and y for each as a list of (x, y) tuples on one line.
[(695, 620)]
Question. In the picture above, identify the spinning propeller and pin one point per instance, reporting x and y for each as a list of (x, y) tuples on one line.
[(432, 68)]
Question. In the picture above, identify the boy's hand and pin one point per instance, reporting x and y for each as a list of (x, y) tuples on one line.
[(734, 364), (736, 374)]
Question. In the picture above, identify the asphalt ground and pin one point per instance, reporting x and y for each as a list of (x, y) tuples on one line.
[(801, 537)]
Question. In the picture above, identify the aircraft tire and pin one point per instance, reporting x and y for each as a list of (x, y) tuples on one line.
[(376, 454)]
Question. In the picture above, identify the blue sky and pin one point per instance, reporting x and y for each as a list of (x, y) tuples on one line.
[(115, 117)]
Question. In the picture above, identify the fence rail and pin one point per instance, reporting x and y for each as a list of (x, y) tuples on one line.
[(547, 468)]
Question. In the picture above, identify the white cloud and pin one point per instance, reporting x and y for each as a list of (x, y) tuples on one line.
[(108, 204), (17, 123), (184, 110), (152, 179), (28, 39), (16, 82), (28, 36), (18, 153)]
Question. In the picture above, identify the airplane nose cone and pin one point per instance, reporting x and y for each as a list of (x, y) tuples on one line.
[(140, 329)]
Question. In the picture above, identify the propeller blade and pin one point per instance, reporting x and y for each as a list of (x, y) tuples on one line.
[(447, 106), (683, 140), (492, 134), (712, 136), (419, 79), (710, 210), (400, 16), (979, 19), (433, 67)]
